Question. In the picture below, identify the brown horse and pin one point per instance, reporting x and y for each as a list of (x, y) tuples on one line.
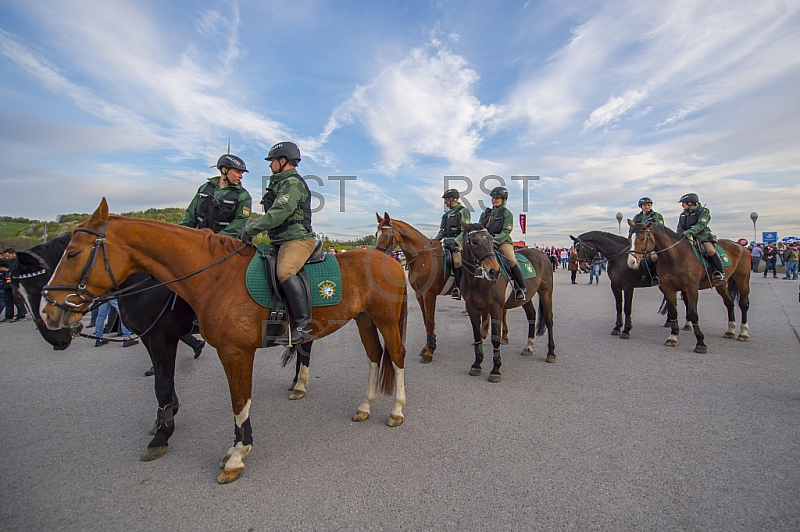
[(681, 271), (229, 319), (425, 273)]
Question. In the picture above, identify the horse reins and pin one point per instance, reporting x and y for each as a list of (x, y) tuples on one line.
[(476, 266), (392, 237)]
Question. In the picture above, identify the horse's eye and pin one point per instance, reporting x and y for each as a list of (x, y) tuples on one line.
[(72, 254)]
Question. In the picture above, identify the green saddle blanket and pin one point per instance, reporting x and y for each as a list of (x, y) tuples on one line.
[(726, 260), (524, 263), (324, 280)]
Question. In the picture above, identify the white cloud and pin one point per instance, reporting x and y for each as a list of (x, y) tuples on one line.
[(614, 108)]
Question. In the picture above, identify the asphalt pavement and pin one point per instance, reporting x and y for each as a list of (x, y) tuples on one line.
[(617, 435)]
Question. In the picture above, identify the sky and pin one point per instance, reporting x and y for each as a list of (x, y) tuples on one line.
[(578, 107)]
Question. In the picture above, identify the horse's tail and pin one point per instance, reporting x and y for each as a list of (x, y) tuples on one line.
[(387, 368), (541, 327), (733, 289), (663, 308)]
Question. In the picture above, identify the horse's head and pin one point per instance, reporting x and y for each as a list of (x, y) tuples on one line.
[(29, 273), (478, 252), (581, 253), (385, 238), (642, 242), (83, 274)]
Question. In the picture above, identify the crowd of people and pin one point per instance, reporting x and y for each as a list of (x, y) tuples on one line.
[(770, 254)]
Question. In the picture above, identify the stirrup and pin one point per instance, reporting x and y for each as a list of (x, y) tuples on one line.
[(456, 294), (299, 336), (519, 294), (717, 276), (655, 281)]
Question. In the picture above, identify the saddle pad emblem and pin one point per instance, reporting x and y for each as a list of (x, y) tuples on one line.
[(529, 268), (327, 288)]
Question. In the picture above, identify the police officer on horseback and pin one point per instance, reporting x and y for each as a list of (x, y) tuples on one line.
[(647, 214), (693, 224), (451, 235), (287, 220), (499, 221), (222, 205)]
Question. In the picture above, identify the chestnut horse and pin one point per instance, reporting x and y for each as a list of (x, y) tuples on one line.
[(681, 271), (209, 271), (425, 272)]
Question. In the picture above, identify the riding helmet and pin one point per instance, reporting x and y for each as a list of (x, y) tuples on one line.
[(289, 150), (451, 193), (231, 161), (645, 200), (499, 192), (690, 197)]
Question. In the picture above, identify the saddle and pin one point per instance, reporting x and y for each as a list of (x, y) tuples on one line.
[(700, 253), (320, 271), (525, 265)]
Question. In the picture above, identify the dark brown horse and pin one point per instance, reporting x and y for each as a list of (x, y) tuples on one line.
[(681, 271), (107, 249), (488, 295)]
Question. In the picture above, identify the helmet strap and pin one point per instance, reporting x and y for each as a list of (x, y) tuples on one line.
[(223, 177)]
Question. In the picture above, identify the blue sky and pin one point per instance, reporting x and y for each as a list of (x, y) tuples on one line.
[(604, 101)]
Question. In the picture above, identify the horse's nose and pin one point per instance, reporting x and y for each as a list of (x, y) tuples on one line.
[(632, 262), (494, 274)]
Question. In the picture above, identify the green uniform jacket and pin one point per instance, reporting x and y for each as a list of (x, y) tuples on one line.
[(463, 216), (288, 206), (652, 216), (504, 236), (236, 227), (699, 229)]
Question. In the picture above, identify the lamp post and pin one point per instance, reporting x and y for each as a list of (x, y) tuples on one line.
[(754, 217), (619, 222)]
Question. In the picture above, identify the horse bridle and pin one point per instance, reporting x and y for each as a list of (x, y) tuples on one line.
[(393, 238), (648, 239), (476, 268), (80, 291)]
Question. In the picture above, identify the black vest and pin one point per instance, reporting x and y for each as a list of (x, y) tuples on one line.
[(451, 223), (687, 221), (215, 214), (270, 197), (496, 225)]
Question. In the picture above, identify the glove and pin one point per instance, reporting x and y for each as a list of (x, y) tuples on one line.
[(690, 238), (246, 238)]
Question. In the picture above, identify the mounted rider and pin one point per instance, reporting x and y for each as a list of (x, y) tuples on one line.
[(287, 220), (222, 205), (693, 224), (499, 221), (647, 214), (451, 235)]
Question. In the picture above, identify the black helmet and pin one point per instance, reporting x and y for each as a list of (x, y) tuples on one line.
[(645, 200), (499, 192), (289, 150), (690, 197), (451, 193), (231, 161)]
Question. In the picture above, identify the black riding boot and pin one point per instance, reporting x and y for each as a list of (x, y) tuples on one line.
[(719, 269), (297, 301), (519, 289), (456, 283)]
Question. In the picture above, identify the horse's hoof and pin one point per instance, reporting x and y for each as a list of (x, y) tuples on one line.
[(224, 461), (291, 386), (687, 327), (614, 332), (475, 371), (360, 416), (229, 475), (426, 359), (729, 335), (551, 359), (297, 394), (422, 353), (702, 349), (742, 338), (152, 453), (671, 343), (624, 336), (395, 421), (504, 341), (527, 352), (494, 377)]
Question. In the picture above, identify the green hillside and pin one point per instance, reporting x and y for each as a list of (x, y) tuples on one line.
[(11, 229)]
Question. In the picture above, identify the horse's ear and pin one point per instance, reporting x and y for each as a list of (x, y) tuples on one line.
[(387, 217), (648, 225), (100, 215), (573, 238), (486, 222), (630, 222), (378, 216), (464, 226)]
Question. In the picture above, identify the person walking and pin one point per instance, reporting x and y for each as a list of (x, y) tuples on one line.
[(756, 254), (791, 261), (573, 265), (100, 325), (595, 267)]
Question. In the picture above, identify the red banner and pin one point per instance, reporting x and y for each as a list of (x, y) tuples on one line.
[(522, 223)]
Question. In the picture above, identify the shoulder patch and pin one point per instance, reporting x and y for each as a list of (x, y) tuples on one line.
[(283, 198), (704, 219), (246, 210)]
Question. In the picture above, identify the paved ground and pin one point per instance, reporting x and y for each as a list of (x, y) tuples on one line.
[(617, 435)]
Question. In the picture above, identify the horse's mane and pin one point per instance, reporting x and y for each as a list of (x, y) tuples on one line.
[(410, 228), (55, 246), (664, 229), (592, 234)]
